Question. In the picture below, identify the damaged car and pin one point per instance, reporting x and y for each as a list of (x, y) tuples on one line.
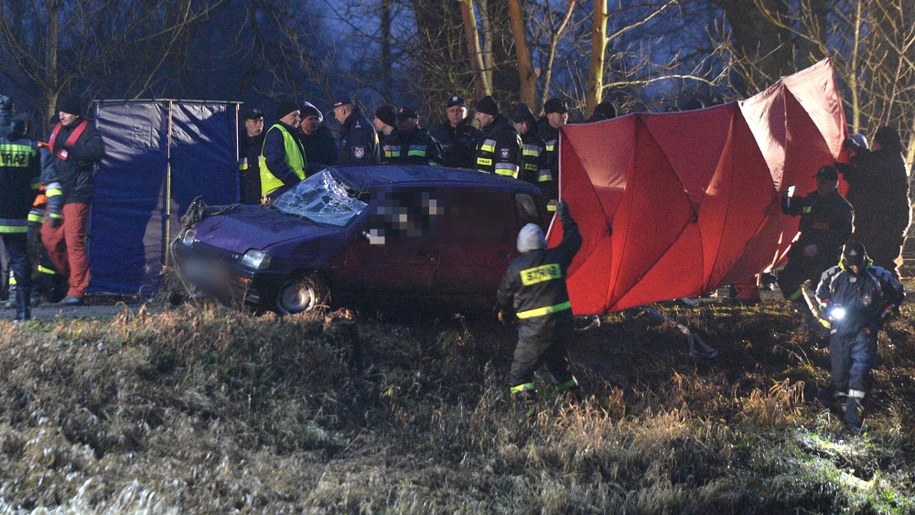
[(353, 235)]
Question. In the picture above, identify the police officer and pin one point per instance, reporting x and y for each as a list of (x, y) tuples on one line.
[(535, 166), (826, 224), (19, 174), (410, 143), (358, 140), (251, 142), (534, 287), (498, 150), (456, 135), (855, 298)]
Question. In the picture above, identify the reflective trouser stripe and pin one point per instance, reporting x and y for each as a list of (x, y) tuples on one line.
[(539, 312), (46, 270), (796, 295), (571, 383), (13, 226), (416, 153), (551, 207), (545, 176), (856, 394), (524, 387)]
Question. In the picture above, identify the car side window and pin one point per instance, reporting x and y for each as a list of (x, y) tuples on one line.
[(406, 215)]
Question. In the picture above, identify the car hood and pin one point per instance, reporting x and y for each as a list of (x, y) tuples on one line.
[(255, 227)]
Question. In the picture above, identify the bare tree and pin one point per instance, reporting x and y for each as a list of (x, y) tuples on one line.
[(86, 42)]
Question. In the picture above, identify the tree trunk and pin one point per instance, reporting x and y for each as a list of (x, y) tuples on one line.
[(595, 92), (481, 83), (526, 74), (386, 61)]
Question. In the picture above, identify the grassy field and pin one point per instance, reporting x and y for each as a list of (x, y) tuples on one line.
[(201, 410)]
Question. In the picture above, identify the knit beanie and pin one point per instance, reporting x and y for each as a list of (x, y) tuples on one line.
[(387, 114), (523, 113), (70, 104), (285, 108), (487, 105)]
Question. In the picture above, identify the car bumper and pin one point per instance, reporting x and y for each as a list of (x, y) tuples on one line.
[(218, 273)]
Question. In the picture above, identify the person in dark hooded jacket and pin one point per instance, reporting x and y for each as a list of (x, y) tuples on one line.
[(855, 298), (878, 189), (498, 149), (534, 288), (76, 147)]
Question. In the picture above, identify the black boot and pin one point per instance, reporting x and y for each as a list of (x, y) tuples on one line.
[(23, 303)]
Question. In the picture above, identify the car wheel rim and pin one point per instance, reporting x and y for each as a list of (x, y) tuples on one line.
[(296, 298)]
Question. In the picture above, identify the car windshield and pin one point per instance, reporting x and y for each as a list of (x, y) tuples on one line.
[(322, 199)]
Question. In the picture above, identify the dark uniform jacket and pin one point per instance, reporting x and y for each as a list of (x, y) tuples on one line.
[(550, 136), (250, 167), (878, 190), (320, 148), (458, 143), (534, 285), (825, 221), (19, 175), (415, 147), (535, 163), (498, 150), (864, 297), (358, 141), (74, 166)]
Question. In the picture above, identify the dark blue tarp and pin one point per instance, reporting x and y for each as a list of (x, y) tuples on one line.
[(139, 198)]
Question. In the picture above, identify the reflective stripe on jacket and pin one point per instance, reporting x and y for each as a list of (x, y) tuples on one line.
[(293, 159)]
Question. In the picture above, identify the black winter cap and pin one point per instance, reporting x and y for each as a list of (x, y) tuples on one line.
[(70, 104), (555, 105), (522, 113), (387, 114), (487, 105), (285, 108)]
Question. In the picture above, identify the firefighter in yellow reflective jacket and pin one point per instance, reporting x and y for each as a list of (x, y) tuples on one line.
[(534, 287)]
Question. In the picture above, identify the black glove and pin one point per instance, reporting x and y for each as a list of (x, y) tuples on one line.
[(563, 210)]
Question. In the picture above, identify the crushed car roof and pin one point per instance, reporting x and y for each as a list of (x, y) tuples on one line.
[(367, 177)]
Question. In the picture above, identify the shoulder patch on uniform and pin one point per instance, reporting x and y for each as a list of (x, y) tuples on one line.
[(504, 153), (358, 152)]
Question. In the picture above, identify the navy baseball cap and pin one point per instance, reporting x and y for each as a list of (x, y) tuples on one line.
[(405, 113), (454, 100), (342, 100)]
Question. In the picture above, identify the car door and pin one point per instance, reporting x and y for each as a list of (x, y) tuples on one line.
[(482, 226), (394, 252)]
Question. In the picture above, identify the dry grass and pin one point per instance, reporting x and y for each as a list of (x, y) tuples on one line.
[(200, 409)]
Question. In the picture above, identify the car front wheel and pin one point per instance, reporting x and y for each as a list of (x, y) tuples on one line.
[(303, 293)]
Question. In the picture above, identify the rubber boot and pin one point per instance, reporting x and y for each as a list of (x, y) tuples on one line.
[(23, 303), (854, 412)]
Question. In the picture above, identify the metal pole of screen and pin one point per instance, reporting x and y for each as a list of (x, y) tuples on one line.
[(168, 186)]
